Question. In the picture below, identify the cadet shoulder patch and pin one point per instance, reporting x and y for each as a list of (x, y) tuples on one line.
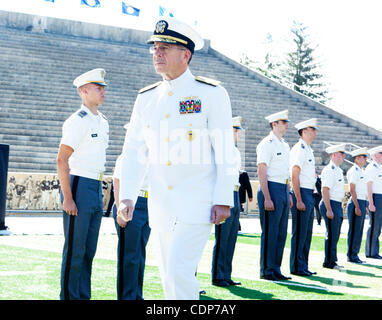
[(208, 81), (82, 113), (149, 87)]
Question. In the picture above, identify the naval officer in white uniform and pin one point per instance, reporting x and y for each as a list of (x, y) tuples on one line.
[(181, 128), (80, 164)]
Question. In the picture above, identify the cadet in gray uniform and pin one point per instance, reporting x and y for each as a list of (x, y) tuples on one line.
[(132, 240), (303, 173), (333, 192), (226, 233), (357, 204), (374, 190), (273, 196), (80, 165)]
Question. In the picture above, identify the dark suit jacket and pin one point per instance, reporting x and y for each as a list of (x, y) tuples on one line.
[(245, 186)]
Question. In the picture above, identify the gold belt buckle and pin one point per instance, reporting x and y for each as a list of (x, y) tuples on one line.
[(287, 181), (100, 176)]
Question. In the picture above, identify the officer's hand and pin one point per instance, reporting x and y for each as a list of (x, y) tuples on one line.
[(372, 208), (330, 214), (268, 205), (122, 223), (250, 199), (219, 214), (358, 212), (69, 206), (300, 206), (125, 210)]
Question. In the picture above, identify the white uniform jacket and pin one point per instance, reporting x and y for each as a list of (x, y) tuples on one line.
[(183, 130), (357, 176), (301, 155), (275, 154), (374, 174), (88, 135), (333, 178)]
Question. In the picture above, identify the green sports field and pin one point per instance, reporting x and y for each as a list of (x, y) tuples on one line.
[(30, 269)]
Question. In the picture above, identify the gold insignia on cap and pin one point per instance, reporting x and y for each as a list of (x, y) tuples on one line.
[(161, 26)]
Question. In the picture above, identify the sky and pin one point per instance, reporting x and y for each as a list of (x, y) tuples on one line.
[(347, 33)]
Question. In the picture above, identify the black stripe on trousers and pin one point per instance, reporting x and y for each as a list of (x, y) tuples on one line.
[(218, 236), (352, 232), (120, 261), (70, 241), (266, 222), (329, 239), (298, 227)]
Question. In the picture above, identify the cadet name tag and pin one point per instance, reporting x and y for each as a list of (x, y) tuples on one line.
[(190, 105)]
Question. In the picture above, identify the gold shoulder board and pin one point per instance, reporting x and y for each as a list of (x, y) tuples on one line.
[(209, 81), (149, 87)]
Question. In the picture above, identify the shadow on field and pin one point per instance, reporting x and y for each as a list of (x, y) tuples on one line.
[(302, 287), (361, 273), (371, 265), (245, 293), (335, 282)]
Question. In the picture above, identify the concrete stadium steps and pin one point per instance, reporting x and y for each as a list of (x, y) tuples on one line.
[(37, 95)]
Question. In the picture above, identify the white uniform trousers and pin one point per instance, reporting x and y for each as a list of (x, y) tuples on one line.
[(179, 251)]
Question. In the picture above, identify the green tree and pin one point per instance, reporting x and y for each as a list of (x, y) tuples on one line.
[(301, 67)]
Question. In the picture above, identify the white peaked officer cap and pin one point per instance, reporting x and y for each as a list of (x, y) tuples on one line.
[(311, 123), (359, 152), (236, 122), (96, 76), (171, 30), (336, 148), (375, 150), (282, 115)]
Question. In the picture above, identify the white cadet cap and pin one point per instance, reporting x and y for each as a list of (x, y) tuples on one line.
[(311, 123), (375, 150), (236, 122), (359, 152), (171, 30), (336, 148), (282, 115), (93, 76)]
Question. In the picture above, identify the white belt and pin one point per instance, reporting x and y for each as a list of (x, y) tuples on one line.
[(87, 174), (143, 193)]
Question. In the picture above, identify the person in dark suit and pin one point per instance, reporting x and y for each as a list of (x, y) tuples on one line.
[(244, 189), (317, 198)]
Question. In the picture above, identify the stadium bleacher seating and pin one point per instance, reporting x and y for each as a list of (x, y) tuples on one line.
[(37, 95)]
